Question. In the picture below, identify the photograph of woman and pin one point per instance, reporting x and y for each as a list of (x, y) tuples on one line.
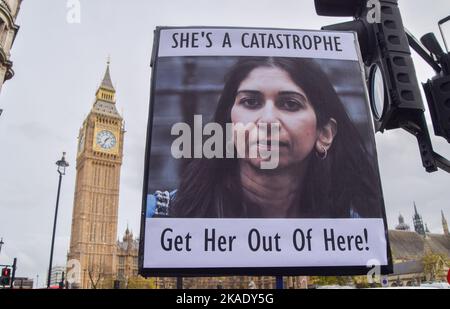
[(324, 169)]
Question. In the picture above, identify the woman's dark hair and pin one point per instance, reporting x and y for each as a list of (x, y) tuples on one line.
[(345, 181)]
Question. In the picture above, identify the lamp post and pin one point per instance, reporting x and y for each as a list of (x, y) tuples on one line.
[(62, 164), (1, 244)]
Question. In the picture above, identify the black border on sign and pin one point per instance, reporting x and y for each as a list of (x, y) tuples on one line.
[(262, 271), (238, 271), (153, 65)]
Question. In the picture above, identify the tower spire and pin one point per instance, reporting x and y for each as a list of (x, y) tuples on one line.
[(444, 224), (107, 82), (106, 91), (418, 223)]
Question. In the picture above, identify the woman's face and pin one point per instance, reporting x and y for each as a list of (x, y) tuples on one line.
[(268, 95)]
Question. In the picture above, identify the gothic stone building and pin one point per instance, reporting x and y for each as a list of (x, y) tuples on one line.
[(8, 31), (126, 258), (96, 201), (410, 248)]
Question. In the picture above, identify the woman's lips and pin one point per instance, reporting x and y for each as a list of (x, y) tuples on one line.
[(269, 144)]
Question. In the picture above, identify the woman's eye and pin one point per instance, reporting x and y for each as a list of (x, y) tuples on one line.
[(250, 102), (290, 104)]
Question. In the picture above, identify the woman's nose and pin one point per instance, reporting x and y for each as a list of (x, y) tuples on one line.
[(269, 113)]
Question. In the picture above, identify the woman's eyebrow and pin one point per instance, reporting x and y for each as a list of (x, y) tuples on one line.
[(255, 92), (293, 93)]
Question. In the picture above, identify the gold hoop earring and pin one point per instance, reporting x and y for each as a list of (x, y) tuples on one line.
[(322, 155)]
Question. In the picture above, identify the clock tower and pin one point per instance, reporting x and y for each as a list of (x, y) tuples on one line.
[(95, 208)]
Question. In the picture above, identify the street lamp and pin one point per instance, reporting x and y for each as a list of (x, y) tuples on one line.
[(62, 164), (1, 244)]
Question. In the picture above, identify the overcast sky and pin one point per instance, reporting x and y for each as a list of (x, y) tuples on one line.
[(59, 66)]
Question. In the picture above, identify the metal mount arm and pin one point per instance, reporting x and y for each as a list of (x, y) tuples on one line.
[(430, 159)]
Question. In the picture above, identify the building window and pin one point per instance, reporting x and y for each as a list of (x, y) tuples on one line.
[(120, 273), (3, 32), (93, 231)]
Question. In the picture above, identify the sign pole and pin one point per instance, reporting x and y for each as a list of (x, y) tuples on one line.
[(13, 277), (279, 282)]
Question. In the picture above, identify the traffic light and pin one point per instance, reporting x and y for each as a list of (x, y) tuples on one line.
[(5, 279), (390, 74), (437, 89), (391, 78)]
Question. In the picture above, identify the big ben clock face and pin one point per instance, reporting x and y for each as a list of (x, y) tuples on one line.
[(106, 139)]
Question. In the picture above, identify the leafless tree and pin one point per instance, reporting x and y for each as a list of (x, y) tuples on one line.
[(95, 274)]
